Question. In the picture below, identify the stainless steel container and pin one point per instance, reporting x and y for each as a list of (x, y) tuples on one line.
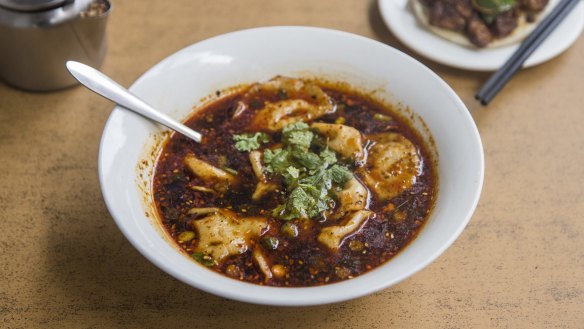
[(37, 37)]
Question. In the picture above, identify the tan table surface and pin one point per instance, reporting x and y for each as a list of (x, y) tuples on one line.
[(65, 264)]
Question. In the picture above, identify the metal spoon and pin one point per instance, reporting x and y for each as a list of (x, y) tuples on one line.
[(106, 87)]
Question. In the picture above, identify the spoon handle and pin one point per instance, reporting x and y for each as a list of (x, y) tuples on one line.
[(106, 87)]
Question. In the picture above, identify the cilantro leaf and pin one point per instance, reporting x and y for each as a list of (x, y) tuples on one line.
[(249, 142), (293, 171), (328, 156), (320, 206), (340, 174), (269, 155), (296, 126), (291, 175), (276, 161), (295, 207), (308, 160), (297, 134), (301, 139), (299, 201), (314, 180)]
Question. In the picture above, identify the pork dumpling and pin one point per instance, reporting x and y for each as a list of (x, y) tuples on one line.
[(354, 196), (299, 101), (223, 233), (392, 167), (333, 236), (221, 179), (344, 140)]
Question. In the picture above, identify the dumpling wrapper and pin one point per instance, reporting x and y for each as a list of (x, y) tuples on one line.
[(344, 140), (333, 236), (223, 233), (354, 196), (304, 101), (209, 173), (263, 187), (392, 166)]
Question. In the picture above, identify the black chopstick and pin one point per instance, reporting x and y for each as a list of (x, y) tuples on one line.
[(534, 40)]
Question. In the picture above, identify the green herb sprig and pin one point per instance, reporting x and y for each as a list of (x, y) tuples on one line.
[(250, 142), (310, 172)]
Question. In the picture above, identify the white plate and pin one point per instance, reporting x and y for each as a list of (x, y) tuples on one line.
[(404, 25), (181, 80)]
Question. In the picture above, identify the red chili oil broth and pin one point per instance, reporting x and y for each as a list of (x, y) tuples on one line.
[(307, 262)]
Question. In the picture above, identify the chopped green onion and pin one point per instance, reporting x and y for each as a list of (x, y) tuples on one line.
[(204, 259), (270, 242)]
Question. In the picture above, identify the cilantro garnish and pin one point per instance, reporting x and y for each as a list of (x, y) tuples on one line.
[(340, 174), (297, 135), (309, 172), (249, 142), (277, 160)]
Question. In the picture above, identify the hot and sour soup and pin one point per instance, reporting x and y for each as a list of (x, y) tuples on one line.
[(296, 183)]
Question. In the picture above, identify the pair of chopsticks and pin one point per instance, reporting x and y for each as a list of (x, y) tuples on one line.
[(534, 40)]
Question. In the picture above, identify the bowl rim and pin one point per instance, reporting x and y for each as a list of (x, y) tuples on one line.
[(316, 295)]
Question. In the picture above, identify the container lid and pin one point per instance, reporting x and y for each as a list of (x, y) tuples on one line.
[(32, 5)]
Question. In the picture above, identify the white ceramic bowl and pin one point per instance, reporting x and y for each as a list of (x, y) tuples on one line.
[(181, 80)]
